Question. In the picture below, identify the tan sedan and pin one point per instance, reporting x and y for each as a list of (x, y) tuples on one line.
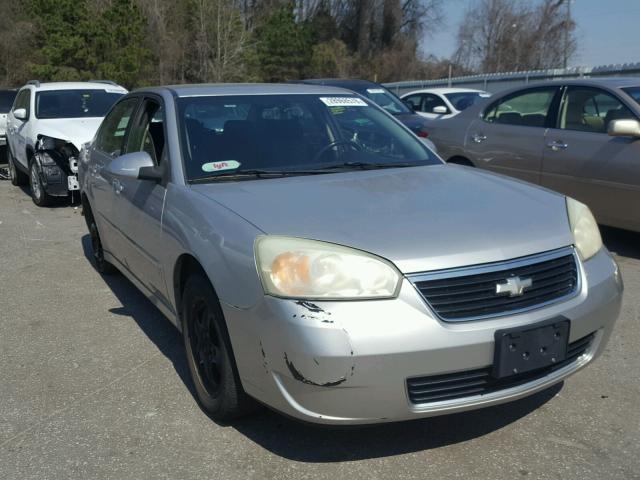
[(579, 137)]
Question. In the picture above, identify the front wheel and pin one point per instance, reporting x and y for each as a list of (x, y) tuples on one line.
[(209, 354), (38, 193)]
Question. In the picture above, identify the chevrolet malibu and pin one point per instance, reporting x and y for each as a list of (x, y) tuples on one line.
[(319, 259)]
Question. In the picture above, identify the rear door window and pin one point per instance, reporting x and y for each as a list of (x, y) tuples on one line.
[(530, 108)]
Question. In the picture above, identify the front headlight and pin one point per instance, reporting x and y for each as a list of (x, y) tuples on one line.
[(308, 269), (586, 235)]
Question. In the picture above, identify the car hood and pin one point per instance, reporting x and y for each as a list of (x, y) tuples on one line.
[(420, 218), (74, 130)]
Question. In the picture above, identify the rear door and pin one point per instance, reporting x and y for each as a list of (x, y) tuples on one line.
[(582, 161), (509, 136), (109, 143), (138, 203)]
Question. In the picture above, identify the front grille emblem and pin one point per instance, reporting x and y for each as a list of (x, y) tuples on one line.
[(513, 286)]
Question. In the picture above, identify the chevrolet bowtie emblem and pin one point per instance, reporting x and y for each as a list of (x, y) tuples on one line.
[(513, 286)]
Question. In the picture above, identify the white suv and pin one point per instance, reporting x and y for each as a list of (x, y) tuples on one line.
[(46, 128)]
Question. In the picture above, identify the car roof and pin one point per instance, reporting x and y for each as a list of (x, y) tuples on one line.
[(341, 82), (250, 89), (610, 82), (444, 90), (75, 86)]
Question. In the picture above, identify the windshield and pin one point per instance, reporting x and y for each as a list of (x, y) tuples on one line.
[(289, 133), (6, 100), (385, 99), (633, 92), (462, 100), (75, 103)]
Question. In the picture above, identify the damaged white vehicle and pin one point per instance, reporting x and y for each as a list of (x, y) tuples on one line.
[(46, 128)]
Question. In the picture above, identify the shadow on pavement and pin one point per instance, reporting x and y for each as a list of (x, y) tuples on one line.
[(153, 323), (622, 242), (310, 443)]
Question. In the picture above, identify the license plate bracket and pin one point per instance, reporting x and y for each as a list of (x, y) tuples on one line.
[(523, 349)]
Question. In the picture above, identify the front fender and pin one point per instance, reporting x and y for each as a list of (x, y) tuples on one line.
[(218, 238)]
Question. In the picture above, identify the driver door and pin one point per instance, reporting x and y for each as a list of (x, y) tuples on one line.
[(138, 203)]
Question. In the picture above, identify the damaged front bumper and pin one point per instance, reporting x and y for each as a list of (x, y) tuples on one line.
[(349, 362), (57, 165)]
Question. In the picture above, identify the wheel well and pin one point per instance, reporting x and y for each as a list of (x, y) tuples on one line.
[(30, 154), (185, 266), (460, 160), (86, 207)]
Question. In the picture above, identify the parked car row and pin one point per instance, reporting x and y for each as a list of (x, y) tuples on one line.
[(320, 259), (578, 137)]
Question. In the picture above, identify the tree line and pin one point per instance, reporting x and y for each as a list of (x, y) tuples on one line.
[(144, 42)]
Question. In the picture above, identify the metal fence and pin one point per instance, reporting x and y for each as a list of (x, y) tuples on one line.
[(494, 82)]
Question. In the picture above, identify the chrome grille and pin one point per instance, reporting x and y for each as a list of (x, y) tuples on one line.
[(471, 293)]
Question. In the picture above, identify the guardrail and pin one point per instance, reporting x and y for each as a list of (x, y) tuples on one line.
[(494, 82)]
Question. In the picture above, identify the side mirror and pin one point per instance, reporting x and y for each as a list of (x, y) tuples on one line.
[(440, 109), (624, 128), (20, 113), (135, 165)]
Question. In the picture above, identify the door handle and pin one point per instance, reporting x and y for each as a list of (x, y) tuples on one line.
[(557, 145), (117, 187), (478, 137)]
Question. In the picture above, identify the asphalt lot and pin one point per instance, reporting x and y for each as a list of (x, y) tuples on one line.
[(94, 384)]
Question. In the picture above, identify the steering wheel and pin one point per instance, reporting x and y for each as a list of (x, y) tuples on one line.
[(335, 143)]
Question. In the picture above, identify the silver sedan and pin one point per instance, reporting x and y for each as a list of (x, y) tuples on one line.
[(319, 259), (579, 137)]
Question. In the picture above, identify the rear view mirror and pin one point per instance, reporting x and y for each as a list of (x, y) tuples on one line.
[(624, 128), (20, 113), (440, 109), (135, 165)]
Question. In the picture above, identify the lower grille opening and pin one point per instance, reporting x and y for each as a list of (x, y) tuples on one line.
[(438, 388)]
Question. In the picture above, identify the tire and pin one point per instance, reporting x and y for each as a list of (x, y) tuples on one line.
[(17, 177), (209, 353), (38, 194), (103, 266)]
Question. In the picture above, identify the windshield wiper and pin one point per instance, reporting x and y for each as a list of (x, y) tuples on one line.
[(252, 173), (370, 165)]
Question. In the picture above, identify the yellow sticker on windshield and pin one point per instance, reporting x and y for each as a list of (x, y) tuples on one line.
[(224, 165)]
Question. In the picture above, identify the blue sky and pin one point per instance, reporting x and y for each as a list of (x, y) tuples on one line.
[(606, 31)]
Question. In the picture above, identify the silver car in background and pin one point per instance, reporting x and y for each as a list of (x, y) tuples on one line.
[(318, 258), (578, 137)]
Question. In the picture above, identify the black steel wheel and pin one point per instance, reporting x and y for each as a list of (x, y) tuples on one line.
[(101, 264), (209, 354)]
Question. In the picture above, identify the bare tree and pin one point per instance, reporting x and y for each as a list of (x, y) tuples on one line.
[(220, 41), (505, 35)]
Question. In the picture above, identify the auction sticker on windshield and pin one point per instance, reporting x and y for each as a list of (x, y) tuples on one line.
[(343, 102), (375, 90), (224, 165)]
